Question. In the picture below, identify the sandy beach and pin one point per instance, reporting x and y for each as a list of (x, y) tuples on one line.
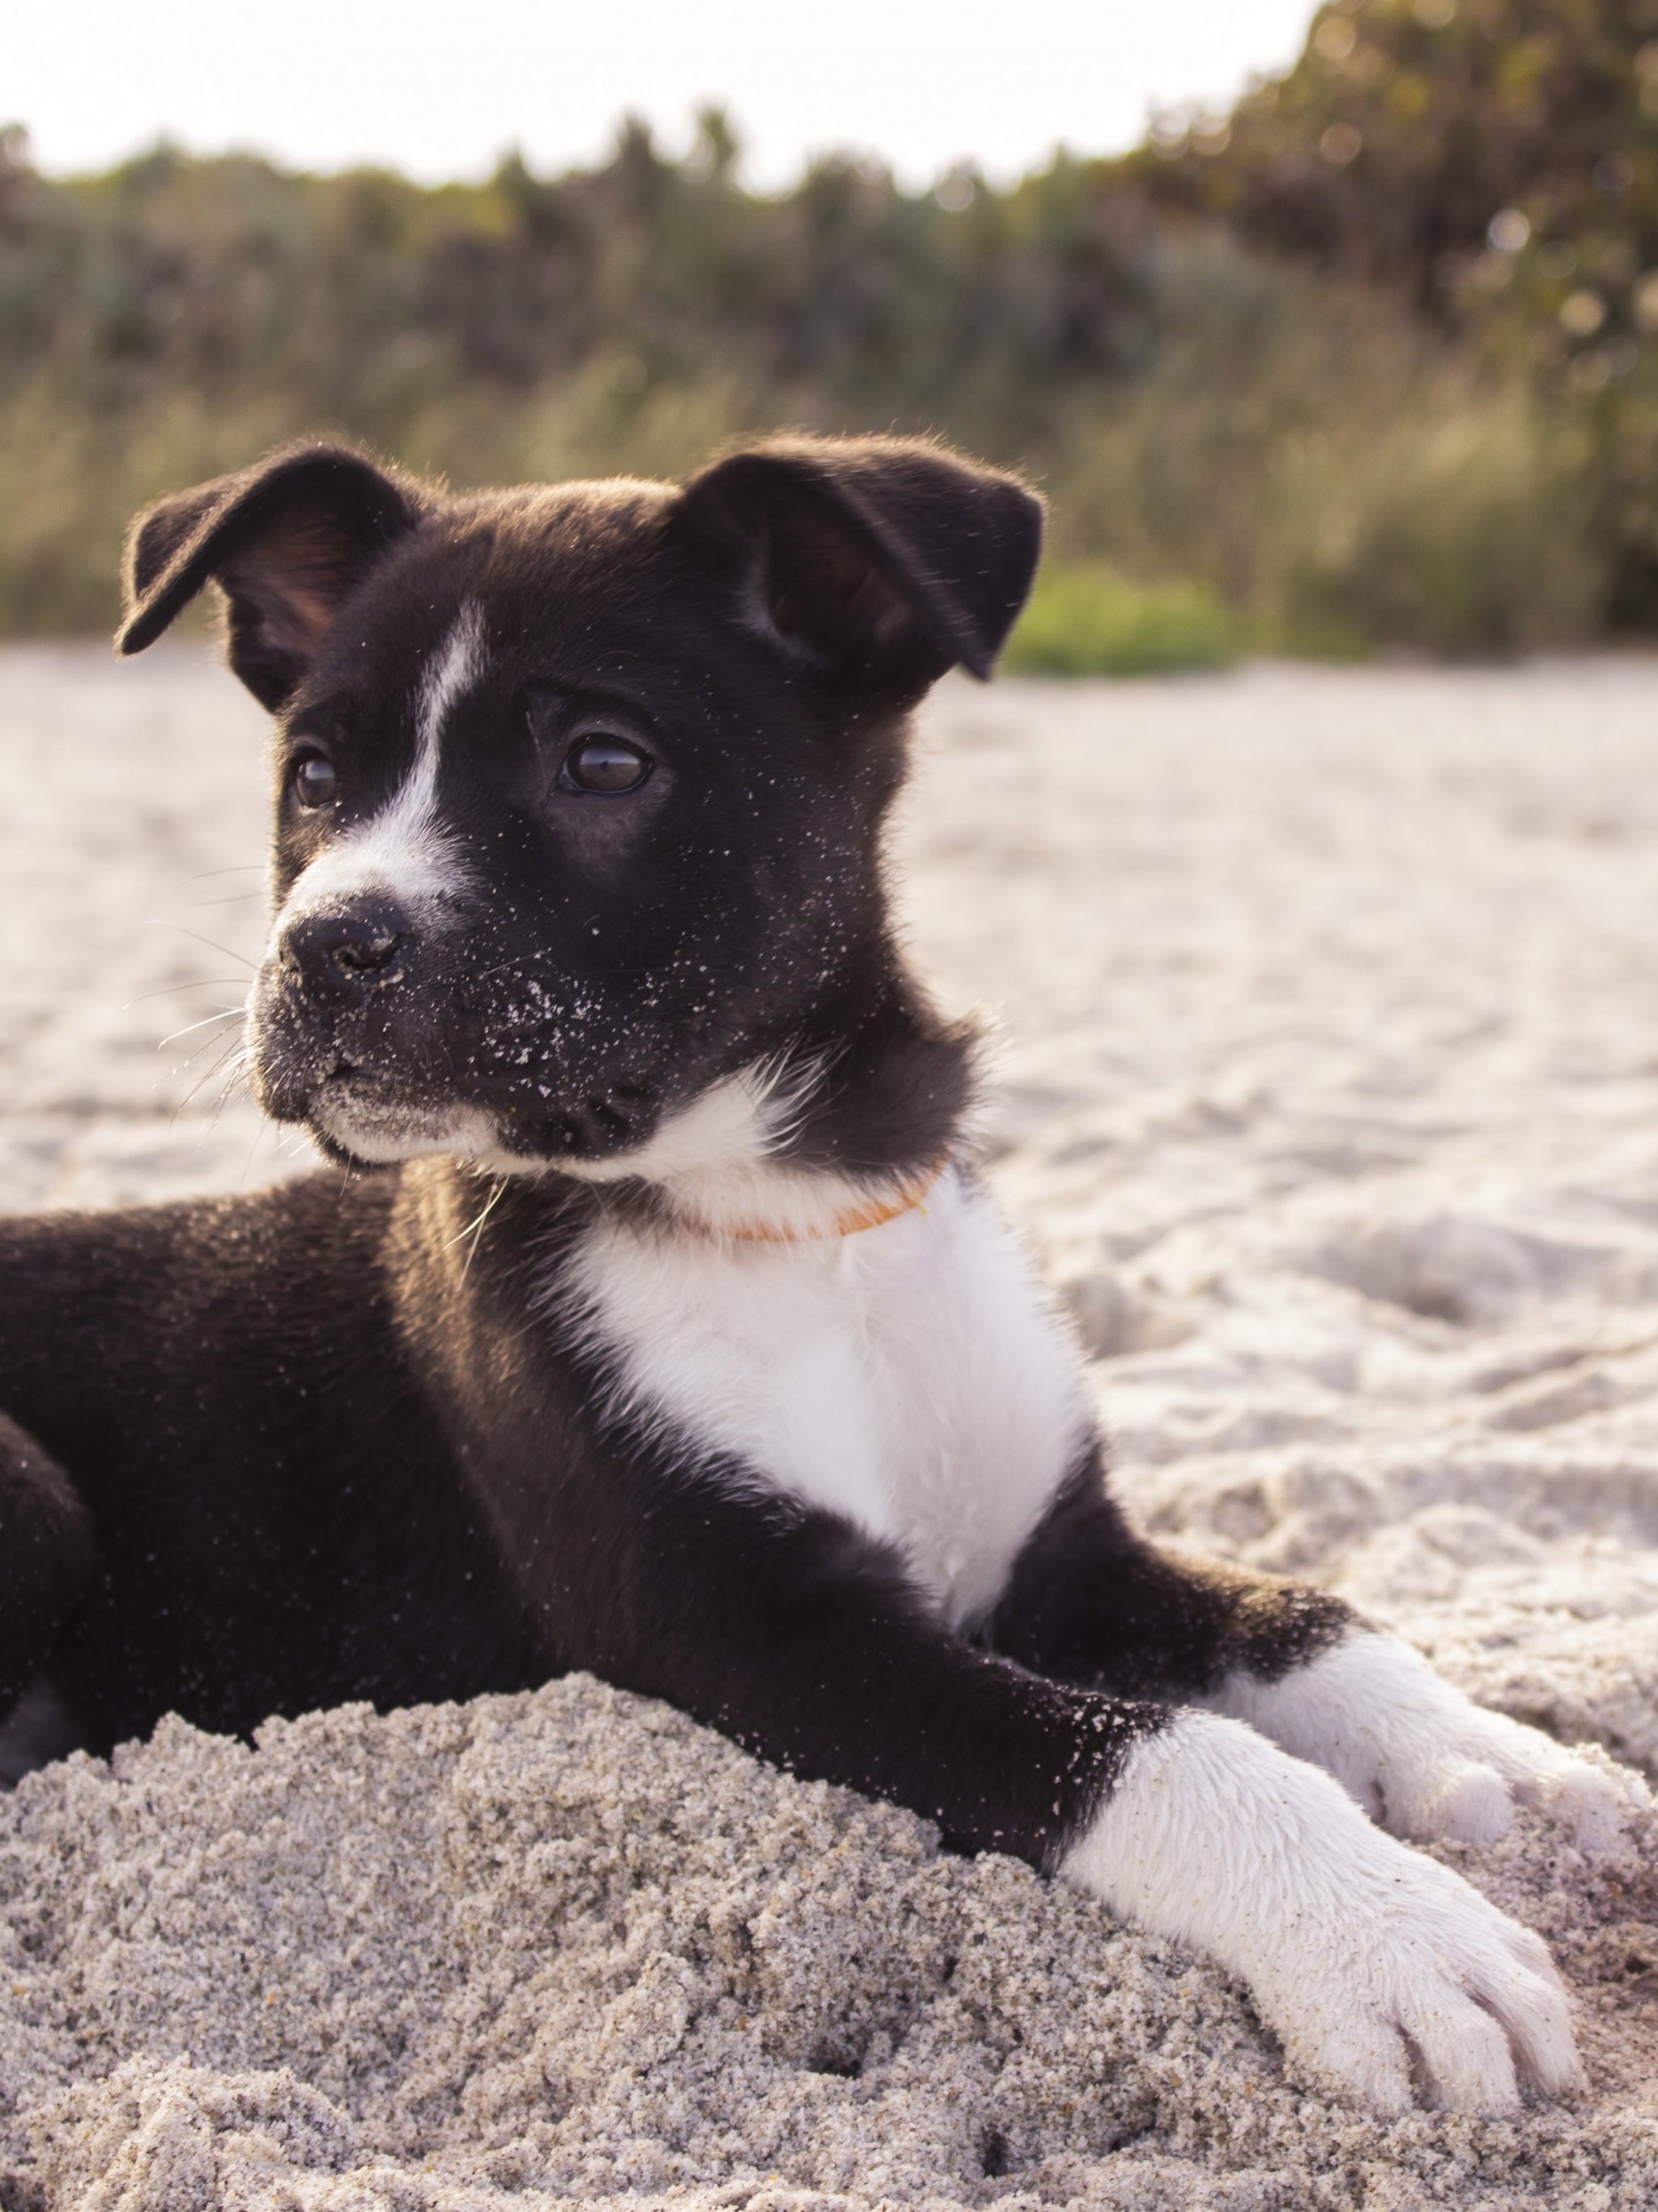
[(1323, 1014)]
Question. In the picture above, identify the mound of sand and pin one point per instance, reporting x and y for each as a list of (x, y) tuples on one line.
[(1330, 1091), (567, 1946)]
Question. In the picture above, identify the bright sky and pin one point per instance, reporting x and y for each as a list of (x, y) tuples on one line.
[(439, 88)]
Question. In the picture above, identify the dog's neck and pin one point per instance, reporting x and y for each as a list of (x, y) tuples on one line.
[(822, 1141), (755, 1196)]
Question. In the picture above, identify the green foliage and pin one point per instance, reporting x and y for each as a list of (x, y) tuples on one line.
[(1367, 363), (1495, 162), (1340, 476), (1087, 619), (1466, 532)]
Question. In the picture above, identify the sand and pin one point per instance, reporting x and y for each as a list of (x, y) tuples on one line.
[(1327, 1086)]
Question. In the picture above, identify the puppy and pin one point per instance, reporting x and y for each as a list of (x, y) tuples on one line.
[(676, 1338)]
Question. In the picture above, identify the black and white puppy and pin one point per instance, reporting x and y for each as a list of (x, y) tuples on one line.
[(679, 1340)]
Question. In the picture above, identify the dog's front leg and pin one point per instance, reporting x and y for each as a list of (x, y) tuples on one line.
[(807, 1642), (1092, 1601)]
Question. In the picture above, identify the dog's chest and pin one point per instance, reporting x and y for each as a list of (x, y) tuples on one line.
[(911, 1377)]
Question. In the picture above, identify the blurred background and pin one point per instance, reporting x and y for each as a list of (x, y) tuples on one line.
[(1326, 331)]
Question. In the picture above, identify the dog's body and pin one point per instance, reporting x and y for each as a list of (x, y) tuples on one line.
[(678, 1340)]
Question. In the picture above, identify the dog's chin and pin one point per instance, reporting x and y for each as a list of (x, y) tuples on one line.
[(372, 1130), (365, 1123)]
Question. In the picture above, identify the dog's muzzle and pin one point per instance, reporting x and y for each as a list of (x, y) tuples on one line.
[(388, 1040), (344, 952)]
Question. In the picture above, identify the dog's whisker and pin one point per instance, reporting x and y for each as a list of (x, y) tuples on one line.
[(259, 1135), (206, 1045), (192, 983), (159, 921), (188, 1100), (231, 1064), (474, 1228), (227, 1086), (219, 1014)]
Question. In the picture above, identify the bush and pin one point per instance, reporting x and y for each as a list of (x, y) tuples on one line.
[(1464, 530), (1343, 477), (1086, 620)]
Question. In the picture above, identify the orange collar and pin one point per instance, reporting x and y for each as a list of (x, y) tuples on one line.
[(869, 1215)]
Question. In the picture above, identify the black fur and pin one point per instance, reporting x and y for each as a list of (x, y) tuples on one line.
[(1090, 1601), (337, 1440)]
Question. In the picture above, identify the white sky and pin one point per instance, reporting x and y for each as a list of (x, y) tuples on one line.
[(439, 88)]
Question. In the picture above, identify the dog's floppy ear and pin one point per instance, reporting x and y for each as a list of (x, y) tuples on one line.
[(285, 541), (879, 557)]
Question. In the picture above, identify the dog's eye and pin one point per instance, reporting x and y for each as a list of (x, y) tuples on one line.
[(314, 781), (603, 763)]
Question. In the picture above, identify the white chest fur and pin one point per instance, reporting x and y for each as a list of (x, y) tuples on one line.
[(911, 1378)]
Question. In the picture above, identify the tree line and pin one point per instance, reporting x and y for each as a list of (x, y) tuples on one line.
[(1370, 356)]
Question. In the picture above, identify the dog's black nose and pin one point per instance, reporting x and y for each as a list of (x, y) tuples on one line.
[(349, 948)]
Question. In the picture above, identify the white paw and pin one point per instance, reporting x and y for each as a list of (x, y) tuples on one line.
[(1420, 1757), (1367, 1959)]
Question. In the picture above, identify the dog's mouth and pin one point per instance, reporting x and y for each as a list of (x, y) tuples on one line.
[(375, 1116)]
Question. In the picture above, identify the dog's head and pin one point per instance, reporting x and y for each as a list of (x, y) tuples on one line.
[(579, 787)]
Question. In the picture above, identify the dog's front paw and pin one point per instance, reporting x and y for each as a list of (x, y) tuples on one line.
[(1424, 1759), (1416, 1964), (1363, 1955)]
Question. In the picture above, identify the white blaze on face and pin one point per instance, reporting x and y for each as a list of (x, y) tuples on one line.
[(402, 852)]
